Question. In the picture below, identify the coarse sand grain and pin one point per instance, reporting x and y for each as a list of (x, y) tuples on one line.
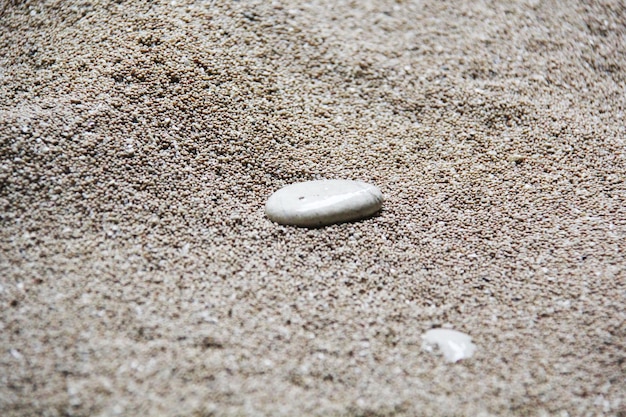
[(139, 141)]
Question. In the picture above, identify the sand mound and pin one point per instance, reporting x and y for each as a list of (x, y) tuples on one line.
[(140, 140)]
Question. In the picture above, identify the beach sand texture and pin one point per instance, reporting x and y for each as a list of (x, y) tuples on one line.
[(140, 140)]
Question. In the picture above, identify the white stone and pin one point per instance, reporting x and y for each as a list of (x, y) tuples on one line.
[(324, 202), (452, 344)]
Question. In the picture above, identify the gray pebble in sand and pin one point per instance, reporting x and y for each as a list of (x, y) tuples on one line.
[(324, 202)]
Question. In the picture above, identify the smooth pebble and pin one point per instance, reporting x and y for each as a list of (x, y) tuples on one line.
[(452, 344), (323, 202)]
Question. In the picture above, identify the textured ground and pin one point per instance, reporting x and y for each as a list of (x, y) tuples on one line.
[(139, 141)]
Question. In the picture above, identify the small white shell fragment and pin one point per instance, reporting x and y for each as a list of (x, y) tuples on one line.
[(452, 344), (323, 202)]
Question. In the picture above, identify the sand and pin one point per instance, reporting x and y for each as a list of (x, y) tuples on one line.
[(140, 140)]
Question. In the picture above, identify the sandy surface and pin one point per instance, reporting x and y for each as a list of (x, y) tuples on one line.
[(140, 140)]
